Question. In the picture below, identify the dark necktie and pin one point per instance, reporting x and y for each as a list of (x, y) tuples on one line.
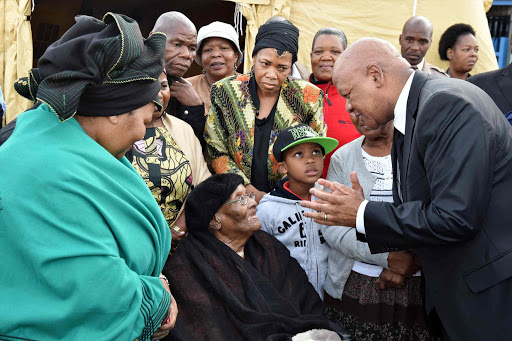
[(398, 151), (398, 140), (414, 67)]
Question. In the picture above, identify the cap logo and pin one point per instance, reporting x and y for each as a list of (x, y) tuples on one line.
[(302, 132)]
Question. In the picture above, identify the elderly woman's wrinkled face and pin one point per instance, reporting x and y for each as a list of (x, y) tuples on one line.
[(218, 58), (464, 54), (326, 50), (165, 93), (271, 70), (238, 220)]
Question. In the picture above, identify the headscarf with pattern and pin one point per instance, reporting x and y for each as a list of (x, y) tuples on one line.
[(98, 68)]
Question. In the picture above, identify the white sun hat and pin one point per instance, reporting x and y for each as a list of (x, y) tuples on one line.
[(218, 29)]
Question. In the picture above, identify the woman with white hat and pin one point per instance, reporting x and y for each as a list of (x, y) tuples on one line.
[(218, 52)]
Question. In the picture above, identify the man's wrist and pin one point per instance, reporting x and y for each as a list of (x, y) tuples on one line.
[(360, 217)]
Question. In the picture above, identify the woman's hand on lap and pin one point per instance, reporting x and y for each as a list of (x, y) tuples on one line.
[(178, 231), (172, 314)]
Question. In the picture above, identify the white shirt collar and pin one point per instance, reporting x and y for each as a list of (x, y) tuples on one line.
[(401, 106), (421, 64), (295, 71)]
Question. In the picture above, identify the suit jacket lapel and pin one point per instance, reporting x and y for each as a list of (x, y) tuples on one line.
[(505, 83), (412, 109)]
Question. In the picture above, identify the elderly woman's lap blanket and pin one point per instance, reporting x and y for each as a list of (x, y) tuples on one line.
[(222, 296)]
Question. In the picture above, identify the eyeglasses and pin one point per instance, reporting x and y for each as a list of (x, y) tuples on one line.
[(242, 199)]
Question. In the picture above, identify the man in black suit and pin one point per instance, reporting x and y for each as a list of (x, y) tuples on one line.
[(498, 85), (452, 162)]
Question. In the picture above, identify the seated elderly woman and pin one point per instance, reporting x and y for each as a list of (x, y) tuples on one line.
[(248, 111), (218, 52), (458, 45), (83, 241), (234, 282)]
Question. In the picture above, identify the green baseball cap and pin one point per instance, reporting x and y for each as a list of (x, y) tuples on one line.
[(298, 134)]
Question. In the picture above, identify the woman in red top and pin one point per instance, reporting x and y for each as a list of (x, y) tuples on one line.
[(328, 44)]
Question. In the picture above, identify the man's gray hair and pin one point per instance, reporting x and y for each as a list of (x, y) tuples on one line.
[(168, 20)]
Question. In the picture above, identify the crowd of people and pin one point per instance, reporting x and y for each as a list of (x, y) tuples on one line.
[(364, 200)]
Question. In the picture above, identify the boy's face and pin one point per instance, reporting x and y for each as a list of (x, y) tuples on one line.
[(303, 163)]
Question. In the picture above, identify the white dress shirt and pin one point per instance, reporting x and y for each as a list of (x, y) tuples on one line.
[(419, 66), (399, 123), (295, 72)]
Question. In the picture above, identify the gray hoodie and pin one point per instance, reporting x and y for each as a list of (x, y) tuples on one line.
[(282, 216)]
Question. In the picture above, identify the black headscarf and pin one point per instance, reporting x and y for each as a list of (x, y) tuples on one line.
[(207, 198), (279, 35), (98, 68)]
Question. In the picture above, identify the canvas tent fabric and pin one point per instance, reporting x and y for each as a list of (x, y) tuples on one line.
[(15, 53), (368, 18)]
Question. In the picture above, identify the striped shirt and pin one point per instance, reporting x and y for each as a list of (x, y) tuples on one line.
[(380, 167)]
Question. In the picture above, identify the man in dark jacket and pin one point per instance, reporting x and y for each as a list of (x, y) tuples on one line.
[(180, 52), (452, 179), (498, 85)]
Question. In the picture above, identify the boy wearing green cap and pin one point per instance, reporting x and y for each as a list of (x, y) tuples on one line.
[(300, 152)]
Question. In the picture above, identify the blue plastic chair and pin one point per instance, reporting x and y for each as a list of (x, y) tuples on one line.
[(501, 50)]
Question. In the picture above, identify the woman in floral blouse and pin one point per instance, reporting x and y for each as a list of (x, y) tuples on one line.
[(248, 111)]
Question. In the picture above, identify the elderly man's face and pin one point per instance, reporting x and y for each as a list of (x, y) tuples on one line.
[(364, 100), (180, 49)]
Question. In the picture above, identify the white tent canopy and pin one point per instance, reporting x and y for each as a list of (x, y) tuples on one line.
[(369, 18)]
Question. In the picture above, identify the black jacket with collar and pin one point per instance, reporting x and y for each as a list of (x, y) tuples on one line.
[(456, 183), (498, 85), (193, 115)]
